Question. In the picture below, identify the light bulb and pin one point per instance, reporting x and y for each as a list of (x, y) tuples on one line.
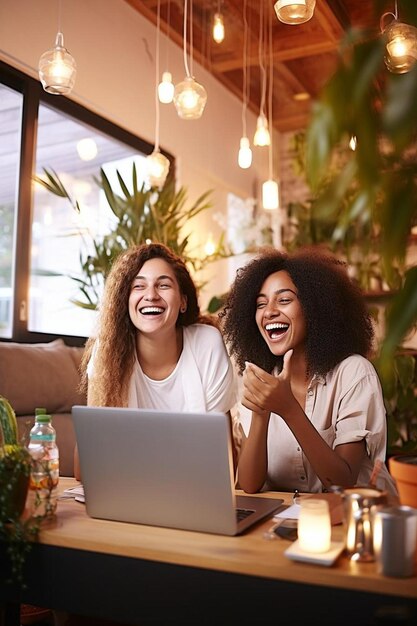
[(270, 195), (158, 168), (294, 11), (245, 154), (218, 28), (352, 143), (57, 69), (262, 137), (166, 88), (190, 99)]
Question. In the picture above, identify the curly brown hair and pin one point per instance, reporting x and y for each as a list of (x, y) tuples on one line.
[(338, 322), (115, 355)]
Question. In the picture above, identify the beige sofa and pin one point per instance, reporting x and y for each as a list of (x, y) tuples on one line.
[(43, 375)]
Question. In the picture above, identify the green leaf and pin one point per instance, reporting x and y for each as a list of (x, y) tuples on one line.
[(401, 315)]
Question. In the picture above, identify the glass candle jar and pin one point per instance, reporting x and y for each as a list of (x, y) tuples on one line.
[(314, 526)]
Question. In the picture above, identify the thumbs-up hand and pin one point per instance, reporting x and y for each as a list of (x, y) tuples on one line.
[(264, 393)]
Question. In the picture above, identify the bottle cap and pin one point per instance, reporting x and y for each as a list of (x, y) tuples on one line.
[(40, 411), (43, 418)]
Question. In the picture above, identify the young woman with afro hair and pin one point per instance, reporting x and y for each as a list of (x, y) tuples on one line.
[(153, 348), (311, 406)]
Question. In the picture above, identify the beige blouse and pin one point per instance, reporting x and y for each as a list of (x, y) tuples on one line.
[(344, 406)]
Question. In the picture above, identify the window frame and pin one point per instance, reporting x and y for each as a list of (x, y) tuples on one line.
[(33, 95)]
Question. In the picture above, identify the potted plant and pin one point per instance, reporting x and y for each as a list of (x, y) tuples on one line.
[(363, 99), (17, 530), (142, 214)]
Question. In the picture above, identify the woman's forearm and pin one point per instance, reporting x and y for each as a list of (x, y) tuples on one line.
[(333, 467)]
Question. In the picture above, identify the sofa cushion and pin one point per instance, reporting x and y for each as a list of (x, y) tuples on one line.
[(40, 375)]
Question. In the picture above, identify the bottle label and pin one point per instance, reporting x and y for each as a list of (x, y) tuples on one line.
[(43, 484), (46, 437)]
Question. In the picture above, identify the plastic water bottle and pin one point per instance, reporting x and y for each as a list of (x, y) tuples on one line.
[(43, 485)]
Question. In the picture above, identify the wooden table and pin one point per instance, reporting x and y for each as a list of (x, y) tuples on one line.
[(150, 575)]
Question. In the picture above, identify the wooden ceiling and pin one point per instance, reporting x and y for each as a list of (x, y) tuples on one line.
[(303, 56)]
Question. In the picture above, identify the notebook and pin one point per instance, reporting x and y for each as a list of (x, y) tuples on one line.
[(163, 469)]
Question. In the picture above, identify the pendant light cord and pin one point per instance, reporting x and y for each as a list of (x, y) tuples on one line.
[(261, 60), (271, 73), (187, 71), (245, 47), (168, 32), (59, 15), (158, 28)]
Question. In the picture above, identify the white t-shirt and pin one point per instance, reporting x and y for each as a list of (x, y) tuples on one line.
[(344, 406), (203, 379)]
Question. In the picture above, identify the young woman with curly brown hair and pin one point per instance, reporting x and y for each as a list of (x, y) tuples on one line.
[(153, 348), (312, 409)]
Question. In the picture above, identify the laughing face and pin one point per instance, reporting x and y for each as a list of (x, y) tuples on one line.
[(155, 298), (279, 315)]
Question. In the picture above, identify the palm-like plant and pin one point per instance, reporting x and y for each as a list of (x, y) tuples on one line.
[(365, 100), (143, 214)]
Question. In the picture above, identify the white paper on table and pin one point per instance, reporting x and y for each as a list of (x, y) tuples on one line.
[(73, 492), (293, 512)]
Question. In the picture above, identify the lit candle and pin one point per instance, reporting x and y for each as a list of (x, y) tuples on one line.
[(314, 527)]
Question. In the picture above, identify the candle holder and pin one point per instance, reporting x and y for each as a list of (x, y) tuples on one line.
[(314, 526)]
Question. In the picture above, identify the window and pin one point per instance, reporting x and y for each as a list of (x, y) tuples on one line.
[(11, 106), (42, 235)]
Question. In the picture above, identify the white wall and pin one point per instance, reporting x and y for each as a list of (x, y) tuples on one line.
[(114, 48)]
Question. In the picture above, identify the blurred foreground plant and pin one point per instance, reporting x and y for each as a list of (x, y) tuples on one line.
[(378, 182)]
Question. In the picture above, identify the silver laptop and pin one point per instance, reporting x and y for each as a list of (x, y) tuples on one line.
[(163, 469)]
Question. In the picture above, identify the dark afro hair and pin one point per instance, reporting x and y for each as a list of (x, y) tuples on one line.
[(338, 322)]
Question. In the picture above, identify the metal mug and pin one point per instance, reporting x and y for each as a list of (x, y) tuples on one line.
[(395, 540), (360, 506)]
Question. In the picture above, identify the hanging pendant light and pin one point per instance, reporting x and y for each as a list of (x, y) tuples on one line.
[(244, 158), (270, 191), (400, 44), (189, 96), (218, 26), (190, 99), (57, 67), (401, 47), (262, 137), (270, 195), (294, 11), (166, 86), (158, 167), (157, 163)]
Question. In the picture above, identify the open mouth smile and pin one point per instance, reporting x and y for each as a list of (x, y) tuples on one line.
[(276, 329), (151, 310)]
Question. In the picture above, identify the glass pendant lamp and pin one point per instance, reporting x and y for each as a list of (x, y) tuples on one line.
[(400, 43), (401, 47), (189, 96), (294, 11), (57, 67)]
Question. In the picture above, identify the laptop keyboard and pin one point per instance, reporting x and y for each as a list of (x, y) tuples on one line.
[(243, 514)]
